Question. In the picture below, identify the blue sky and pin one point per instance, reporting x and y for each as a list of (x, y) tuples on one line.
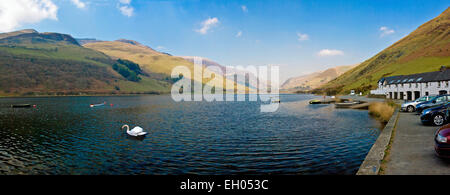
[(299, 36)]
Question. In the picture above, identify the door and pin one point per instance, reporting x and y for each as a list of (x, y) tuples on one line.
[(416, 94)]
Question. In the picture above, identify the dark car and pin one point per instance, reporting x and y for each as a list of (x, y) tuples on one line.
[(436, 101), (438, 115), (442, 142)]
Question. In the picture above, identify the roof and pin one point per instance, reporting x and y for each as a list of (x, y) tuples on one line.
[(418, 78)]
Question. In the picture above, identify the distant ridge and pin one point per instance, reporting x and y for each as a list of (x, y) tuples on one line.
[(83, 41), (30, 36), (15, 33), (316, 79)]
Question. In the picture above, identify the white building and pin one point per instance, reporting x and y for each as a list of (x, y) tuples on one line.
[(411, 87)]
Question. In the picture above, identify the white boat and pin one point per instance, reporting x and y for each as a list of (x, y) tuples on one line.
[(97, 105)]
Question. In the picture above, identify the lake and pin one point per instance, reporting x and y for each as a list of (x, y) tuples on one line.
[(63, 135)]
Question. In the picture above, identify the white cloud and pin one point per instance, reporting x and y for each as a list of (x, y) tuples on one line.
[(386, 31), (160, 48), (79, 3), (207, 25), (302, 37), (125, 8), (239, 34), (244, 8), (330, 52), (13, 14)]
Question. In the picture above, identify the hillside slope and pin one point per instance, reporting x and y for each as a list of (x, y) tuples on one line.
[(149, 59), (424, 50), (35, 63), (315, 79)]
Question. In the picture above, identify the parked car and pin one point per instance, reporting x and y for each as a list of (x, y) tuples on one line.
[(411, 106), (436, 101), (442, 141), (438, 115)]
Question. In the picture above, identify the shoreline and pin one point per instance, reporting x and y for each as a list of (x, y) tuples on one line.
[(118, 95), (373, 162)]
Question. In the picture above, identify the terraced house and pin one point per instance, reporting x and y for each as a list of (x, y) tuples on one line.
[(411, 87)]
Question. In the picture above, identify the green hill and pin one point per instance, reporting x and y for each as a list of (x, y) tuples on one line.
[(35, 63), (424, 50), (149, 59)]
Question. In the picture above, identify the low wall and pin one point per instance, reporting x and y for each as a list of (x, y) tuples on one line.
[(372, 163)]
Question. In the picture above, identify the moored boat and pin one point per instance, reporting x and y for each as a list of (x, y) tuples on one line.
[(315, 102), (97, 105), (21, 106), (345, 104)]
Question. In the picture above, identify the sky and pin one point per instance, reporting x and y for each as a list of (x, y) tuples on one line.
[(299, 36)]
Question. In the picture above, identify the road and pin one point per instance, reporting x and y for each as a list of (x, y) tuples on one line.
[(412, 152)]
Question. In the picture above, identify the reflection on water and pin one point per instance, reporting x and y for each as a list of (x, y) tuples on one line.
[(63, 135)]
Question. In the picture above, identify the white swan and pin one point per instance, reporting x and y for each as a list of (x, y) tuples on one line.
[(137, 131)]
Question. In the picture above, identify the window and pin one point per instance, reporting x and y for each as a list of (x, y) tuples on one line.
[(422, 99), (439, 84), (410, 85), (440, 99), (426, 85), (446, 84), (417, 85), (419, 79)]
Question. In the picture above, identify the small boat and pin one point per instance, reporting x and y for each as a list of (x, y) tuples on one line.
[(97, 105), (315, 102), (21, 106), (275, 100), (345, 104)]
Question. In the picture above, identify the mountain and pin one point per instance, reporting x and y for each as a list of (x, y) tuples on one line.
[(149, 59), (251, 79), (34, 63), (424, 50), (314, 80), (206, 62), (15, 33)]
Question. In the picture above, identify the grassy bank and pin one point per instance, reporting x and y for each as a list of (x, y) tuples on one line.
[(382, 110)]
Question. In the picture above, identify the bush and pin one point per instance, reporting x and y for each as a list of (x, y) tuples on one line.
[(126, 72), (382, 110)]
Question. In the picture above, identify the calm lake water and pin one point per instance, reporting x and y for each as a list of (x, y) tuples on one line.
[(63, 135)]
